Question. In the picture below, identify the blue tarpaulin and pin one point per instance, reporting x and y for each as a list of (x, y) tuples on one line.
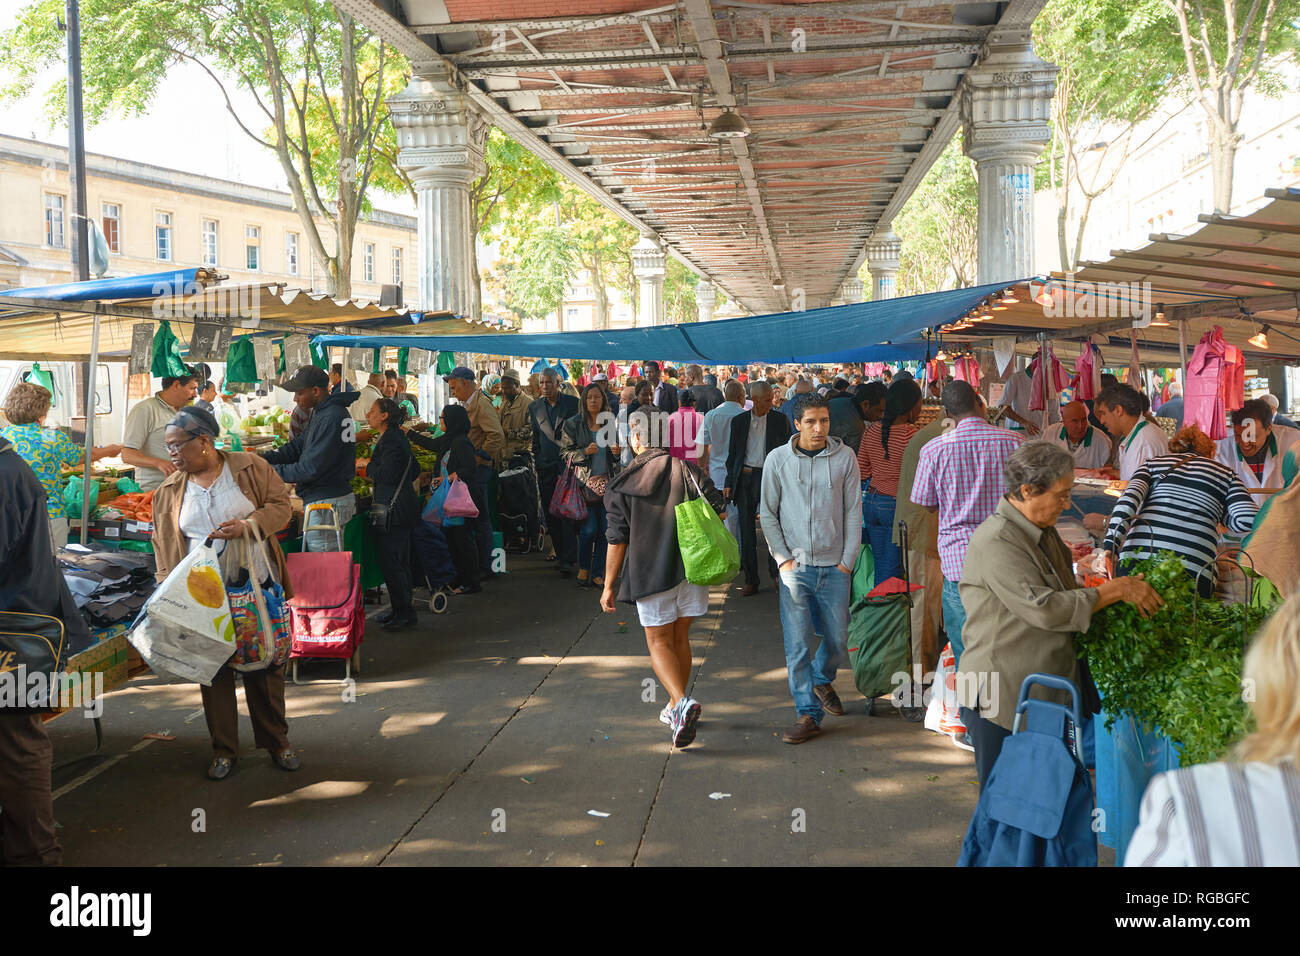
[(175, 282), (888, 330)]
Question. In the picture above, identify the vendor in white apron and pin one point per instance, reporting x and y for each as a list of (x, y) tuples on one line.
[(1016, 396), (1119, 407), (1256, 447), (1089, 446)]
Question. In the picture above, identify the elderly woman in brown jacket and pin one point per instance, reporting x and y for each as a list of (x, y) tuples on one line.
[(214, 494)]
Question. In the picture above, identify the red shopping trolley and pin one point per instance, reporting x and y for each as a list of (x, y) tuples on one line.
[(327, 613)]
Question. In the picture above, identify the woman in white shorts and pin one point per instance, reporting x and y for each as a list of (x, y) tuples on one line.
[(645, 563)]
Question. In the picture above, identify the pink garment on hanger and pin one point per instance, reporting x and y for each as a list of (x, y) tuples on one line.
[(1203, 394), (1057, 379), (967, 369), (1234, 384), (1087, 381)]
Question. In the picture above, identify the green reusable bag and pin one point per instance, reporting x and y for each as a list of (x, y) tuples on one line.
[(864, 574), (279, 362), (879, 648), (43, 378), (403, 357), (241, 365), (320, 357), (446, 363), (709, 552), (72, 496), (166, 354)]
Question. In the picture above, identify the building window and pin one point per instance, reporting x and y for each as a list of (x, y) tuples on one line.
[(397, 266), (111, 214), (368, 261), (54, 234), (253, 248), (209, 242), (291, 253), (162, 231)]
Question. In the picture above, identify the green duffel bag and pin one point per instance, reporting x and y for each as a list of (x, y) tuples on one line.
[(878, 644), (709, 552)]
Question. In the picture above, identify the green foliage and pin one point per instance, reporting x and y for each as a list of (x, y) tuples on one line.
[(1180, 669), (679, 293), (938, 227)]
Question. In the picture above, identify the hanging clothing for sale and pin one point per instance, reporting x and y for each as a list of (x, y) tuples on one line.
[(1048, 376), (1234, 388), (1210, 378), (966, 368), (1087, 379), (934, 370)]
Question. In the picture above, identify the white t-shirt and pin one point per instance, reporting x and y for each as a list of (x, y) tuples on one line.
[(1227, 452), (1016, 393), (1092, 452), (1144, 442), (358, 409), (146, 432)]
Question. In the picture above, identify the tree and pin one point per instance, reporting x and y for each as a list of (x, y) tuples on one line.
[(318, 77), (937, 227), (1111, 83), (679, 293), (1226, 48)]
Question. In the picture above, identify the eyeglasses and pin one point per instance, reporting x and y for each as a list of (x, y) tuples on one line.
[(173, 447)]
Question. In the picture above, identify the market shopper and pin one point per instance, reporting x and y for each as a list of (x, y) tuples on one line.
[(665, 393), (1018, 396), (361, 402), (645, 561), (456, 452), (322, 461), (583, 445), (684, 428), (754, 435), (1022, 601), (870, 397), (547, 416), (214, 494), (30, 583), (923, 563), (393, 469), (489, 442), (409, 402), (513, 413), (812, 516), (144, 437), (1177, 502), (961, 477), (1119, 408), (337, 383), (1088, 446), (880, 460), (715, 436), (46, 450)]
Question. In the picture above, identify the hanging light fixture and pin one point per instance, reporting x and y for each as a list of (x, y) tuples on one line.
[(1045, 298), (1260, 339), (1009, 297), (1160, 322), (728, 125)]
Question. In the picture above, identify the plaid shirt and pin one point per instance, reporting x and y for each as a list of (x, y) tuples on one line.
[(960, 472)]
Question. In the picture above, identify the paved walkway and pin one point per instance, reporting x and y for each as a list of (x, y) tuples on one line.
[(488, 734)]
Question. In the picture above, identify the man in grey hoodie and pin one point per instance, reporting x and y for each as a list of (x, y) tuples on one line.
[(811, 516)]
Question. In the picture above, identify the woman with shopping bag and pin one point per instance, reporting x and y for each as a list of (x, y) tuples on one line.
[(395, 509), (457, 457), (221, 496), (647, 561)]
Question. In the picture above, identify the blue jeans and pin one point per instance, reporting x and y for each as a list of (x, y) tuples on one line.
[(954, 617), (591, 541), (827, 590), (878, 516)]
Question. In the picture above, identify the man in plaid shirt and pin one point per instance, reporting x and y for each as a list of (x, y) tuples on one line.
[(959, 475)]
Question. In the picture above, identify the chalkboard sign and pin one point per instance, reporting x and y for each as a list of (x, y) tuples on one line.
[(264, 359), (297, 353), (141, 349), (417, 361), (209, 343), (360, 360)]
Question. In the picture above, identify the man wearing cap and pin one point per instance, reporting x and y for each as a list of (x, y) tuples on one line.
[(322, 461), (513, 412), (489, 443)]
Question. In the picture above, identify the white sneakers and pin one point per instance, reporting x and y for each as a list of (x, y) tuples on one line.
[(684, 718)]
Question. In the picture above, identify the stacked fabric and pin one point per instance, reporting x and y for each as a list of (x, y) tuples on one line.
[(108, 587)]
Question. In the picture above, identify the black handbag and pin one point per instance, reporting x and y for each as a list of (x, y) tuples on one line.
[(30, 644), (381, 516)]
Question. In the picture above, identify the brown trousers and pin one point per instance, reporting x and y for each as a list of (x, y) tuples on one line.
[(927, 610), (264, 692), (27, 823)]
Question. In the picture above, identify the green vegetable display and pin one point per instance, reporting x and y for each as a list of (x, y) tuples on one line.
[(363, 487), (365, 450), (1180, 669), (427, 460)]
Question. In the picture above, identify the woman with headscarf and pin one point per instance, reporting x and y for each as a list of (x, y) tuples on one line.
[(392, 469), (1273, 546), (217, 494), (582, 447), (456, 453), (880, 459)]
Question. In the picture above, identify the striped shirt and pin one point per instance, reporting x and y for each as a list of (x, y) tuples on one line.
[(1192, 496), (960, 473), (880, 471), (1220, 814)]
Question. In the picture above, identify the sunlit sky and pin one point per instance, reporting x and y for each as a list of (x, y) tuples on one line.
[(187, 127)]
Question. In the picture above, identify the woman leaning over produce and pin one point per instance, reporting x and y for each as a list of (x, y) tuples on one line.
[(46, 450), (215, 494), (393, 470), (1244, 811)]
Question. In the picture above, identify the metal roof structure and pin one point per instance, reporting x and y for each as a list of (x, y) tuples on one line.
[(1238, 272), (849, 103)]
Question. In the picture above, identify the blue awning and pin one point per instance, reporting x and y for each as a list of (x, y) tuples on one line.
[(175, 282), (888, 330)]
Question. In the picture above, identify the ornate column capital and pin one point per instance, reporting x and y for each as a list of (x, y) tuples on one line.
[(648, 258), (706, 297), (851, 290), (441, 136), (1006, 105), (883, 252)]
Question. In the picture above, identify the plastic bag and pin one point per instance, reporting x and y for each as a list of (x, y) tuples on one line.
[(72, 496), (43, 378), (186, 630), (241, 363), (259, 613), (567, 501), (941, 715), (709, 553), (459, 503), (167, 361)]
